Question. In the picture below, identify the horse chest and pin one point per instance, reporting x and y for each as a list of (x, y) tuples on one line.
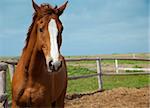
[(35, 94)]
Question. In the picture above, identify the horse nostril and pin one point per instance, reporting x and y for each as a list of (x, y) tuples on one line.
[(51, 66), (50, 63)]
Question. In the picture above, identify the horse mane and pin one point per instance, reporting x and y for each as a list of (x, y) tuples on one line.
[(30, 30)]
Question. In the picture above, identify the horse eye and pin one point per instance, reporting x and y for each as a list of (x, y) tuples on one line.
[(41, 30), (49, 12)]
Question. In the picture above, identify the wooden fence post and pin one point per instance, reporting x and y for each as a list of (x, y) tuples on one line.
[(3, 68), (2, 82), (11, 68), (133, 55), (116, 66), (99, 71), (3, 95)]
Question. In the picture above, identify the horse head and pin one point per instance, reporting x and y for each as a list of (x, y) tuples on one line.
[(49, 33)]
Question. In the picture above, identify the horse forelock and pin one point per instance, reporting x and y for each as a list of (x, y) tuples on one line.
[(46, 5)]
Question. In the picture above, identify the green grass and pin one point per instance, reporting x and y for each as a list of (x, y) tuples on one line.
[(137, 81), (82, 85), (8, 85), (77, 70), (109, 82)]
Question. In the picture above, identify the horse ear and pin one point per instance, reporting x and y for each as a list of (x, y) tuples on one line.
[(62, 8), (35, 6)]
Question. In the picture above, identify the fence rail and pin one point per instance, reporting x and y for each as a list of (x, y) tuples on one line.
[(10, 64), (97, 58), (14, 62)]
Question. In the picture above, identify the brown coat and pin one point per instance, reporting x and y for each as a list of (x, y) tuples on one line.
[(33, 85)]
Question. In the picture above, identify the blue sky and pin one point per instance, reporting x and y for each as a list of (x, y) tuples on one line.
[(90, 26)]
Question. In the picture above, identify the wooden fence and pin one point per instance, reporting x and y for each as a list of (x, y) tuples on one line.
[(99, 73), (10, 64)]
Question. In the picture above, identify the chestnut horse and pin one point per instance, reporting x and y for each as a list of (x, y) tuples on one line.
[(40, 79)]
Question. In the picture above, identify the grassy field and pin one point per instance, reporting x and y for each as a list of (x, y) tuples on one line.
[(109, 82)]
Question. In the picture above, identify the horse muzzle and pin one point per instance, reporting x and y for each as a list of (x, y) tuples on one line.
[(53, 66)]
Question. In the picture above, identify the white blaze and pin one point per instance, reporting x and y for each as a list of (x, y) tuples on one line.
[(53, 31)]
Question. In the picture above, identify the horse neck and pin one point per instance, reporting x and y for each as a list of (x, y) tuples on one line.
[(37, 63), (32, 59), (28, 51)]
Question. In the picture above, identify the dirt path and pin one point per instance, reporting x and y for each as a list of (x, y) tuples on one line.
[(116, 98)]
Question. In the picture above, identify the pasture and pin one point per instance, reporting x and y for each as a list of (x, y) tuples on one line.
[(128, 84)]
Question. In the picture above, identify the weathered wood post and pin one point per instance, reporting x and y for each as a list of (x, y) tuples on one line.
[(133, 55), (3, 95), (99, 71), (116, 66)]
